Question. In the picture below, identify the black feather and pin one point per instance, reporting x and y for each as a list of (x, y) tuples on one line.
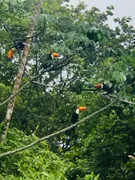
[(74, 118)]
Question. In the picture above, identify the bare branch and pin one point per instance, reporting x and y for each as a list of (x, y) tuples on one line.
[(42, 84), (122, 100), (61, 89), (55, 133)]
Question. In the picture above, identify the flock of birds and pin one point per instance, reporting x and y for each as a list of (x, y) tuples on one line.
[(54, 55)]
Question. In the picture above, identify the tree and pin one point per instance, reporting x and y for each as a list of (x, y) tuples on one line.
[(21, 67), (52, 89)]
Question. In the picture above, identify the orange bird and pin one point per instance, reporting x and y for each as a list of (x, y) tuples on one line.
[(10, 54)]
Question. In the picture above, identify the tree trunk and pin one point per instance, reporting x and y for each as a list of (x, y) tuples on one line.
[(22, 62)]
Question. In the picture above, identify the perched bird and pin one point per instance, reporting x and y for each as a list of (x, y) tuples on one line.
[(55, 55), (105, 87), (75, 115), (72, 132), (18, 46)]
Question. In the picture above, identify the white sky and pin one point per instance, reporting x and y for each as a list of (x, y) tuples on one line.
[(121, 7)]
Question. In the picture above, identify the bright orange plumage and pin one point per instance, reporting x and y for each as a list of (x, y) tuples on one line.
[(10, 54)]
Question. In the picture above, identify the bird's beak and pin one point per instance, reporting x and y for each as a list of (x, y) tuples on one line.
[(56, 54), (82, 108), (98, 86)]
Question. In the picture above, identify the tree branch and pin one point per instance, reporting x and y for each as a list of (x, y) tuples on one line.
[(122, 100), (61, 89), (13, 95), (31, 80), (19, 90), (55, 133)]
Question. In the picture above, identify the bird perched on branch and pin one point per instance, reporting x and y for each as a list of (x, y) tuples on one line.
[(52, 56), (55, 55), (75, 115), (105, 87), (74, 119), (18, 46), (71, 133)]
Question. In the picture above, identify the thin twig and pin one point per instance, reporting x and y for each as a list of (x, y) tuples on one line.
[(61, 89), (55, 133), (122, 100)]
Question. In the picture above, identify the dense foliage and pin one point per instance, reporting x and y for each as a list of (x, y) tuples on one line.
[(38, 163), (93, 53)]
